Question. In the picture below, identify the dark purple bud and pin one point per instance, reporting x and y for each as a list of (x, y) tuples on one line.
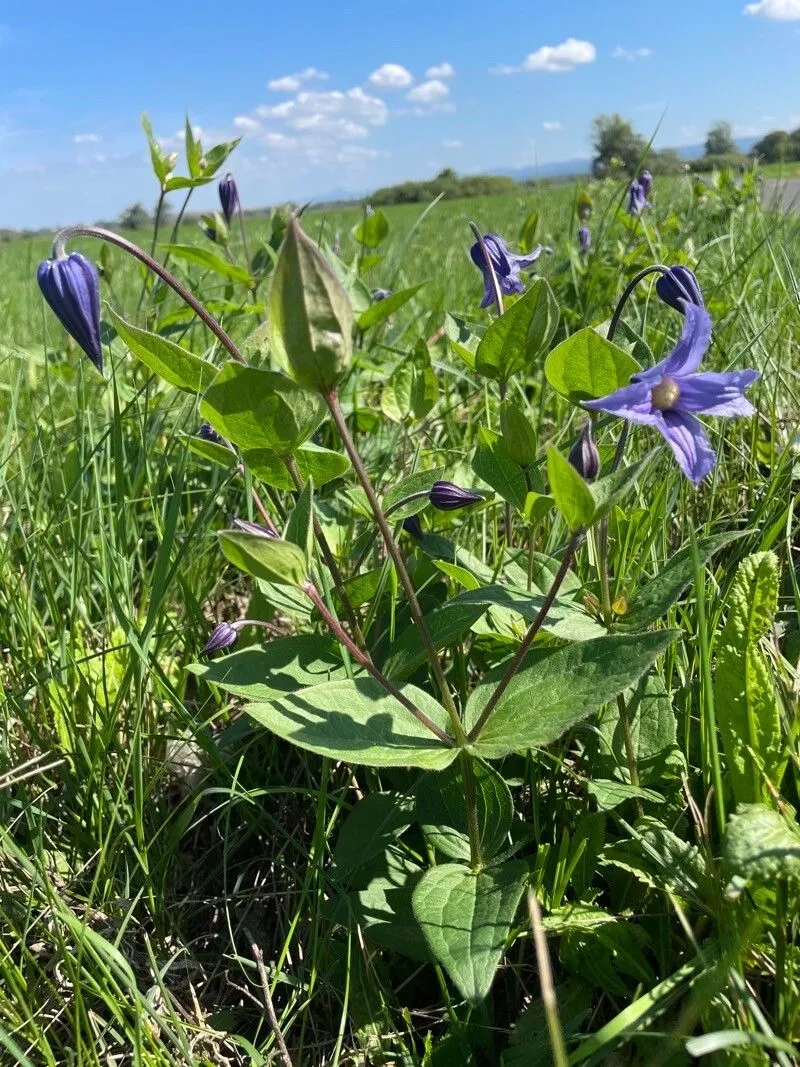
[(228, 197), (445, 496), (584, 239), (222, 636), (380, 294), (679, 286), (584, 456), (208, 433), (253, 527), (413, 526), (71, 286), (646, 182)]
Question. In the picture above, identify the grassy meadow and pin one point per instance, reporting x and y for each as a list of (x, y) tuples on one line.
[(157, 844)]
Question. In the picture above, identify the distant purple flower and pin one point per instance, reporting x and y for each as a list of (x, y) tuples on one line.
[(446, 496), (646, 182), (222, 636), (584, 240), (637, 201), (253, 528), (71, 286), (412, 526), (380, 294), (208, 433), (584, 456), (678, 287), (507, 265), (670, 395), (228, 197)]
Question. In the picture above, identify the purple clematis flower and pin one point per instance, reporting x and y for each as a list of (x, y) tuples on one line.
[(228, 197), (71, 286), (584, 240), (507, 265), (646, 182), (671, 395), (679, 286)]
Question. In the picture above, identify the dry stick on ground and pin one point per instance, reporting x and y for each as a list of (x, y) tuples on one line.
[(549, 999), (258, 956)]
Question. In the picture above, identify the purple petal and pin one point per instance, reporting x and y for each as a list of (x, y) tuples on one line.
[(686, 437), (716, 394), (526, 261), (632, 402), (693, 345)]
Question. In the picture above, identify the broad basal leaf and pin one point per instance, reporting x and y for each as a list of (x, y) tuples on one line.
[(441, 811)]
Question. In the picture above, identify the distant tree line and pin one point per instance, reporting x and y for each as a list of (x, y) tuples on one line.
[(778, 147), (619, 148), (447, 182)]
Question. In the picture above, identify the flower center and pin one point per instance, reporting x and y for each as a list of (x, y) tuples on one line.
[(665, 395)]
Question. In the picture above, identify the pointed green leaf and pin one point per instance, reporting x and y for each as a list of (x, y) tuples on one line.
[(313, 461), (381, 310), (442, 814), (495, 466), (466, 919), (300, 528), (375, 822), (359, 722), (464, 337), (760, 847), (520, 336), (587, 366), (205, 258), (283, 665), (372, 230), (194, 150), (519, 436), (165, 358), (571, 493), (275, 561)]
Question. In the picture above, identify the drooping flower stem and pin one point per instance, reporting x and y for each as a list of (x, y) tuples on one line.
[(335, 408), (533, 629), (365, 661), (330, 561), (138, 253)]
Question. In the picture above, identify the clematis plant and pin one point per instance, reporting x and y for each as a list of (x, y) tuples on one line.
[(506, 264), (672, 394)]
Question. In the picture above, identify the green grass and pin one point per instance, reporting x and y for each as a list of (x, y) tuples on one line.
[(148, 830)]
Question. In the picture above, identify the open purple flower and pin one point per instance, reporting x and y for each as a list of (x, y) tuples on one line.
[(671, 395), (584, 240), (228, 197), (447, 496), (678, 287), (507, 265), (71, 286), (646, 182)]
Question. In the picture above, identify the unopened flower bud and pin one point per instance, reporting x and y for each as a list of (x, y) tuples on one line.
[(446, 496), (71, 286), (253, 527), (228, 197), (584, 456), (222, 636), (413, 526), (679, 286)]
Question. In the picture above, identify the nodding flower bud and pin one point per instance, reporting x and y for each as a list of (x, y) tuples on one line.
[(222, 636), (380, 294), (208, 433), (228, 197), (646, 182), (445, 496), (636, 198), (71, 286), (678, 287), (413, 526), (584, 239), (584, 456), (254, 528)]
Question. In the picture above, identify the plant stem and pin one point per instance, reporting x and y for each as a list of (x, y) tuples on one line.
[(291, 466), (332, 400), (156, 224), (138, 253), (549, 999), (527, 640), (365, 661), (395, 507), (471, 803)]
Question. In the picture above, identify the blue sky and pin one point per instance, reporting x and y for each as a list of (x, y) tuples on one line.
[(349, 95)]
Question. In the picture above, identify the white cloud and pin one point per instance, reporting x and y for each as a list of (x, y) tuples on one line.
[(440, 70), (452, 144), (561, 57), (246, 124), (342, 114), (780, 10), (356, 155), (430, 92), (87, 138), (631, 54), (504, 68), (290, 83), (280, 141), (391, 76), (551, 125)]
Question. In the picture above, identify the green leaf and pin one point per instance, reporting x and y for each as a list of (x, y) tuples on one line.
[(464, 337), (527, 232), (760, 848), (162, 163), (520, 336), (536, 507), (467, 918), (557, 688), (165, 358), (313, 461), (281, 666), (396, 395), (194, 151), (372, 230), (662, 860), (441, 811), (178, 181), (311, 320), (610, 794), (216, 156), (657, 597), (205, 258), (210, 450), (381, 310), (419, 482), (359, 722), (375, 822), (275, 561), (300, 528), (652, 730), (610, 489), (571, 493), (425, 386), (519, 436), (586, 366), (261, 409), (495, 466), (749, 707)]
